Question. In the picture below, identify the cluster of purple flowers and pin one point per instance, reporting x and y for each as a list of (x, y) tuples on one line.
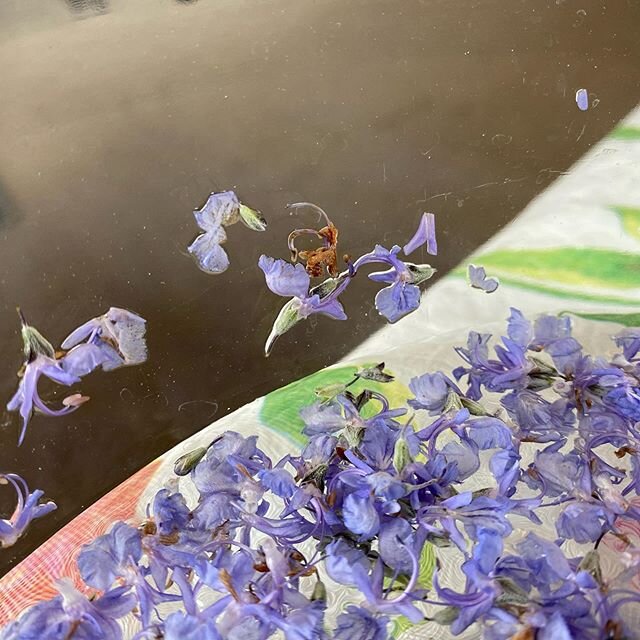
[(374, 487)]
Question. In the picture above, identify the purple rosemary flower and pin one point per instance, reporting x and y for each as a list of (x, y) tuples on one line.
[(73, 615), (481, 590), (40, 360), (112, 340), (220, 210), (182, 626), (357, 623), (431, 391), (402, 296), (509, 371), (292, 281), (27, 509), (629, 340), (478, 279), (425, 234), (110, 557), (537, 419)]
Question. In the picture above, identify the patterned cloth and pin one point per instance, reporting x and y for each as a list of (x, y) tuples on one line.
[(574, 249)]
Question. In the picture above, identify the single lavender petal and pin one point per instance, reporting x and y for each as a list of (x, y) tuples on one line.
[(582, 99), (486, 552), (555, 629), (209, 255), (519, 328), (357, 623), (322, 418), (431, 391), (108, 557), (360, 516), (389, 276), (565, 353), (582, 522), (80, 334), (489, 433), (478, 279), (548, 328), (331, 308), (465, 455), (85, 358), (279, 481), (285, 279), (170, 512), (396, 539), (426, 233), (397, 301), (347, 564)]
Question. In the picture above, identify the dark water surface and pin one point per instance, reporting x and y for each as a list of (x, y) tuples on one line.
[(118, 117)]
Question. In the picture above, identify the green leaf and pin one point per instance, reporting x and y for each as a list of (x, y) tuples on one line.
[(252, 218), (281, 409), (625, 132), (630, 219), (625, 319)]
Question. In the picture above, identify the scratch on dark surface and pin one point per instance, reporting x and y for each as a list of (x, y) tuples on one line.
[(442, 195), (127, 390), (542, 172), (210, 402), (584, 126), (503, 182), (501, 139), (158, 395), (485, 184)]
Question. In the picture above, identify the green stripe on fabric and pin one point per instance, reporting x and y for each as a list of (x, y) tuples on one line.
[(569, 265), (630, 219), (625, 319), (557, 293), (625, 132)]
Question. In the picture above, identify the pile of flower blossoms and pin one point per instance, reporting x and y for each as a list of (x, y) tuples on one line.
[(470, 469)]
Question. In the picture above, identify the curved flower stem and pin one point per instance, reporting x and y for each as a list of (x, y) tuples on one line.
[(310, 205)]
